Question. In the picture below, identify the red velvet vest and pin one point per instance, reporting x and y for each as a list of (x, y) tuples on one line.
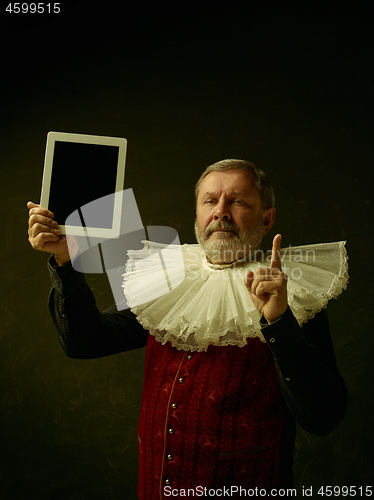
[(209, 419)]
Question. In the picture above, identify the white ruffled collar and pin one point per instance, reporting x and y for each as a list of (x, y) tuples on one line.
[(180, 297)]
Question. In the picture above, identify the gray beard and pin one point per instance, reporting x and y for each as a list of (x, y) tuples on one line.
[(232, 246)]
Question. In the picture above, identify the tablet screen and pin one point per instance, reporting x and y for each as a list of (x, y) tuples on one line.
[(80, 169)]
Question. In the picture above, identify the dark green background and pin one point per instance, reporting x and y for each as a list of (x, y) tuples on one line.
[(288, 87)]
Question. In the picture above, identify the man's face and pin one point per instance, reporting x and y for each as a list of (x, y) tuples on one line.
[(230, 222)]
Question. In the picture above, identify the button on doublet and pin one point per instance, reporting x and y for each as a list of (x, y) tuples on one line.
[(171, 430)]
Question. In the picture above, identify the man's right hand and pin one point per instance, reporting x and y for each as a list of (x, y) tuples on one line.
[(44, 234)]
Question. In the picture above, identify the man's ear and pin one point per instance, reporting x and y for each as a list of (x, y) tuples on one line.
[(269, 217)]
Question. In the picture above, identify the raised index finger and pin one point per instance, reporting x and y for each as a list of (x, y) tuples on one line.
[(276, 261)]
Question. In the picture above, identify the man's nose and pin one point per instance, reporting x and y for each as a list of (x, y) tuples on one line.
[(222, 211)]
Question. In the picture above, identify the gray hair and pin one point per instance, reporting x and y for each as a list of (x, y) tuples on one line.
[(262, 181)]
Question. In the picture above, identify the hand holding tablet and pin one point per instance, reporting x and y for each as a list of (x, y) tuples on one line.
[(45, 236)]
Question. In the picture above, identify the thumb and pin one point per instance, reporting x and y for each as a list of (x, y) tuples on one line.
[(31, 204)]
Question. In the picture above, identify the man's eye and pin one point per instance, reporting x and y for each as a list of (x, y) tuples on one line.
[(239, 202), (209, 202)]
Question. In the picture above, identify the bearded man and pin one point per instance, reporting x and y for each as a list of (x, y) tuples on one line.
[(235, 209), (235, 355)]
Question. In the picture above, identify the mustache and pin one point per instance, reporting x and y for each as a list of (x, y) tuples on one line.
[(223, 225)]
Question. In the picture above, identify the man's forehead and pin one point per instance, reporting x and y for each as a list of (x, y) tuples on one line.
[(236, 182)]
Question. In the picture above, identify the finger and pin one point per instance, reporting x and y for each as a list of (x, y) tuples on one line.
[(253, 280), (41, 211), (41, 239), (41, 219), (271, 285), (276, 261), (37, 209), (249, 283), (249, 279), (263, 275), (38, 228)]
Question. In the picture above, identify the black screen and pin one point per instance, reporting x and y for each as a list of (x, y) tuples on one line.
[(81, 173)]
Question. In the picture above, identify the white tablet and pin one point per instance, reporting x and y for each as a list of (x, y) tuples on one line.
[(83, 181)]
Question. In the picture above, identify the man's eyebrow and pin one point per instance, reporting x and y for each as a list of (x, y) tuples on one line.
[(233, 193)]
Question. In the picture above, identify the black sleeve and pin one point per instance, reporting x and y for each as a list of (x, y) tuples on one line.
[(311, 384), (84, 332)]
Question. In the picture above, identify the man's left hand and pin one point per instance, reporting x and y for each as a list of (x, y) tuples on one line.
[(268, 287)]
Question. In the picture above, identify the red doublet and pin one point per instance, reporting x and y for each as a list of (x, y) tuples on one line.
[(210, 419)]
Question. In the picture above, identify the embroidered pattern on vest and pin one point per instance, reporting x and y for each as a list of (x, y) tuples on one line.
[(212, 420)]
